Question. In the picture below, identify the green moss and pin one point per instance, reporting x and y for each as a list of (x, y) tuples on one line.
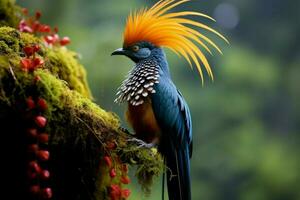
[(10, 13), (59, 61), (27, 39), (60, 97), (65, 65), (10, 40), (149, 162)]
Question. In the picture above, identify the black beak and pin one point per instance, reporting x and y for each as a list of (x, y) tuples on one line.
[(119, 51)]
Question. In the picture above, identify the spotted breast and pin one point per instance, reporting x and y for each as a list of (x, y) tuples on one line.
[(139, 83)]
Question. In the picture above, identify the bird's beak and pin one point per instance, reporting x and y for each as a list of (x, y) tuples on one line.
[(119, 51)]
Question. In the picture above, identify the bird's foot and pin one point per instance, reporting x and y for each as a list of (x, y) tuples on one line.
[(141, 143)]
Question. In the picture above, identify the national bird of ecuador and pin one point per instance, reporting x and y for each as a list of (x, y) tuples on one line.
[(156, 110)]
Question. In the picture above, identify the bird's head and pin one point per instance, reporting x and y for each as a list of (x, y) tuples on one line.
[(136, 52), (152, 28)]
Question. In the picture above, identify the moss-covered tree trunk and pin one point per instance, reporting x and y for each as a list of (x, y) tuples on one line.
[(55, 142)]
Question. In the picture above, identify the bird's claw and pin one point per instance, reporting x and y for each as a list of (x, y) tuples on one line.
[(141, 143)]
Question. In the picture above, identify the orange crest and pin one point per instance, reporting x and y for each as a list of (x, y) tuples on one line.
[(169, 30)]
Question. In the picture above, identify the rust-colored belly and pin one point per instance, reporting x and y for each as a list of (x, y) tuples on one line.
[(143, 121)]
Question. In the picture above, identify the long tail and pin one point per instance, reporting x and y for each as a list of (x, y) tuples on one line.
[(178, 174)]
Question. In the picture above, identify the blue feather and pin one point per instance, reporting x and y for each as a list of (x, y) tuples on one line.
[(174, 119)]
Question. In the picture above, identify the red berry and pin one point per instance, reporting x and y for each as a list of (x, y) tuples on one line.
[(45, 28), (107, 160), (65, 41), (34, 189), (30, 103), (38, 15), (49, 39), (35, 26), (55, 30), (126, 193), (32, 132), (37, 62), (33, 148), (45, 174), (34, 167), (112, 173), (110, 145), (43, 138), (43, 155), (36, 48), (26, 64), (115, 187), (115, 192), (41, 121), (28, 50), (42, 104), (47, 193), (125, 180)]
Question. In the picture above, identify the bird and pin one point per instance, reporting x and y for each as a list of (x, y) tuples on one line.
[(157, 111)]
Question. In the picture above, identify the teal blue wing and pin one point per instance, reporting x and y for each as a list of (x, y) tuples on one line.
[(172, 112), (174, 119)]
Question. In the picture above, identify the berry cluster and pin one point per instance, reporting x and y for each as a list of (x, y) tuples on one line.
[(117, 193), (50, 35), (119, 171), (38, 154), (31, 62), (36, 137)]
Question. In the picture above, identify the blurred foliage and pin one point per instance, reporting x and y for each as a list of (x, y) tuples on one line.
[(246, 123)]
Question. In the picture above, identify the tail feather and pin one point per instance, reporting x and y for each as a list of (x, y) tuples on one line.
[(178, 174)]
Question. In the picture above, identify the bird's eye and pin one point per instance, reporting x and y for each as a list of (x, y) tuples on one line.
[(135, 48)]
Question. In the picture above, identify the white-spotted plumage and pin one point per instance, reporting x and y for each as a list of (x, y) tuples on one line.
[(139, 83)]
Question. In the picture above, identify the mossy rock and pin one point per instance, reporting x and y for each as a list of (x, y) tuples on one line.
[(79, 130)]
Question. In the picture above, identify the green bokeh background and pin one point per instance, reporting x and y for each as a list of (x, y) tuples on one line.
[(246, 122)]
